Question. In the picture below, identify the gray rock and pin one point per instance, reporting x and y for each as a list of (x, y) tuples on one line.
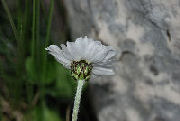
[(146, 86)]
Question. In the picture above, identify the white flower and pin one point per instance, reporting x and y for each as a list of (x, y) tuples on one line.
[(85, 52)]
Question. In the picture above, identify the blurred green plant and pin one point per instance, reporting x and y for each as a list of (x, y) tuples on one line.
[(27, 74)]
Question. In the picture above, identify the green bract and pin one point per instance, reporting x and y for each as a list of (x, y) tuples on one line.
[(81, 70)]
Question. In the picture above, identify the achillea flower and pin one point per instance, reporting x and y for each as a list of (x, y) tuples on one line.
[(85, 57)]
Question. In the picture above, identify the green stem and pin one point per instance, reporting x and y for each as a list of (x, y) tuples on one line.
[(49, 22), (10, 19), (44, 58), (47, 39), (77, 100), (33, 29)]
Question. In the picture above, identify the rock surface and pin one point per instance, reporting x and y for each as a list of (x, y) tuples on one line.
[(146, 34)]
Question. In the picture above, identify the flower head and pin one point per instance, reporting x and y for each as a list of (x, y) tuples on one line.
[(85, 57)]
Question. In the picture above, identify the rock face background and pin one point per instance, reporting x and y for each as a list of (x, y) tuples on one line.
[(146, 34)]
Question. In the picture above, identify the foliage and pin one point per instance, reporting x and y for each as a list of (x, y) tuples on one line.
[(28, 76)]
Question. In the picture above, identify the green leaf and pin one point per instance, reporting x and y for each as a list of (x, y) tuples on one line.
[(51, 116), (64, 83), (30, 68), (50, 75), (43, 114)]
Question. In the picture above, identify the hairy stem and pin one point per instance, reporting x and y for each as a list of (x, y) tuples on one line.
[(77, 100)]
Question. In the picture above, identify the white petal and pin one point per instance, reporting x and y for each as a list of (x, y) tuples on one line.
[(57, 53), (66, 52), (102, 71), (73, 50), (100, 53), (109, 57), (111, 53), (81, 45), (93, 51), (90, 51)]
